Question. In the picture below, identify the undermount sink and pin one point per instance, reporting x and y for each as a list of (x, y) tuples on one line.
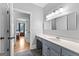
[(54, 38), (51, 37)]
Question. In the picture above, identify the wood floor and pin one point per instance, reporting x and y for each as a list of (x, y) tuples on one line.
[(21, 45), (2, 54), (22, 48)]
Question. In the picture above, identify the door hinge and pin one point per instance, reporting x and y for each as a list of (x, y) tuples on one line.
[(8, 49), (8, 31), (7, 12)]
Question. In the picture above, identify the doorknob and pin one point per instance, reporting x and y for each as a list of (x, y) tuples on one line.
[(1, 38)]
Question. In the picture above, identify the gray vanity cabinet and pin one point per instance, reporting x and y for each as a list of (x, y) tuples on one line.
[(66, 52), (50, 49)]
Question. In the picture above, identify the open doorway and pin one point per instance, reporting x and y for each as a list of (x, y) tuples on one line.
[(22, 41)]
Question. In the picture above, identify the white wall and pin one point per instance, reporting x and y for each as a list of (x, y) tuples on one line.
[(36, 20), (68, 7)]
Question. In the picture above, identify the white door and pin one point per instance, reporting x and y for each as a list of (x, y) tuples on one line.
[(4, 27), (12, 30), (0, 28)]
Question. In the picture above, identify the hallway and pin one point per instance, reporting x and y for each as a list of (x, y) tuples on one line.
[(21, 45)]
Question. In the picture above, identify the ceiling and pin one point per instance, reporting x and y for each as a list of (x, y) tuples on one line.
[(41, 4)]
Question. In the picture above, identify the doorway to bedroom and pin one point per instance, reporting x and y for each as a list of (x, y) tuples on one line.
[(22, 29)]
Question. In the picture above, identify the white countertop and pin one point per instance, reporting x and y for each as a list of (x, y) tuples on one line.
[(73, 46)]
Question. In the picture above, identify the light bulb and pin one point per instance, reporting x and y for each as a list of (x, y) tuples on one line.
[(57, 12), (49, 15), (61, 10), (52, 13)]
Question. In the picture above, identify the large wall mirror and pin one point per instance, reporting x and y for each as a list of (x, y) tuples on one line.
[(65, 22)]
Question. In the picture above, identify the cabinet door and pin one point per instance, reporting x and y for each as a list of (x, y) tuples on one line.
[(4, 26), (50, 49), (54, 46), (72, 21), (54, 49), (53, 53), (38, 42), (45, 50), (0, 27), (66, 52)]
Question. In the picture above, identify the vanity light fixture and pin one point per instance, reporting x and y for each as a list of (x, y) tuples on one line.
[(57, 12), (54, 13), (50, 15)]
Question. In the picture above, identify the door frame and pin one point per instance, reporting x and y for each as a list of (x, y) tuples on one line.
[(24, 12), (12, 18)]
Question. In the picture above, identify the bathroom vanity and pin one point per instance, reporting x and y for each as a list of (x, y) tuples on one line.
[(54, 46), (61, 25)]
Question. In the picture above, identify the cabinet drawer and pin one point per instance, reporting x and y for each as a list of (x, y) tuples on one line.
[(49, 50), (53, 46), (66, 52)]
